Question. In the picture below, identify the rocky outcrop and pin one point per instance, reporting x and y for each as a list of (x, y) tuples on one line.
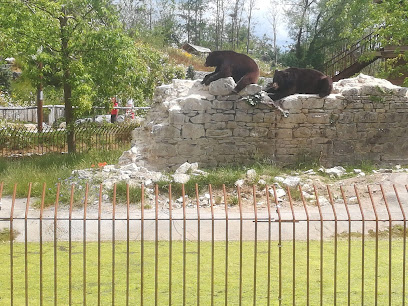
[(364, 119)]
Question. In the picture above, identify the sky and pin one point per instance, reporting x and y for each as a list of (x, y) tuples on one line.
[(262, 25)]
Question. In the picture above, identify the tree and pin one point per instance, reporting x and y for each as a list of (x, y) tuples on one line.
[(250, 9), (320, 28), (84, 50), (272, 15)]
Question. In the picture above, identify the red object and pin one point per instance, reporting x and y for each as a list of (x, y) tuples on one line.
[(115, 111)]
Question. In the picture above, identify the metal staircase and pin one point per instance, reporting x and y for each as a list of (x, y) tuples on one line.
[(348, 62)]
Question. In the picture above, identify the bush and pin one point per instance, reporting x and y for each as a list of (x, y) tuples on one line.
[(5, 78)]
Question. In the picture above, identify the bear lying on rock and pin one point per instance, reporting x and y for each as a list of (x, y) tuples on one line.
[(240, 67), (299, 81)]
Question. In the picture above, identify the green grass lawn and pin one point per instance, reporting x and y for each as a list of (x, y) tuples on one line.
[(205, 273)]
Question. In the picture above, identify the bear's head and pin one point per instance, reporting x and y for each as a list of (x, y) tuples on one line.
[(213, 59), (281, 80)]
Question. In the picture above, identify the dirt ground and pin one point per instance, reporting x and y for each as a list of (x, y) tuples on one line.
[(377, 200)]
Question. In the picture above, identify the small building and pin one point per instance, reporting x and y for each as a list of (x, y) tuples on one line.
[(197, 50)]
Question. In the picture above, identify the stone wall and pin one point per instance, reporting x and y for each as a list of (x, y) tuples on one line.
[(364, 119)]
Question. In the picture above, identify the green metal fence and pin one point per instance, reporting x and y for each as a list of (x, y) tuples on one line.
[(17, 140)]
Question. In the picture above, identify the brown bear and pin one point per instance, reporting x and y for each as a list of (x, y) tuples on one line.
[(240, 67), (299, 80)]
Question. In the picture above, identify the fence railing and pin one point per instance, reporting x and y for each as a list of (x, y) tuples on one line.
[(344, 246), (351, 55), (17, 140), (54, 112)]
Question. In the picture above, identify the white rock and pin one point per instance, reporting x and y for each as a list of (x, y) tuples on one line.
[(194, 166), (222, 87), (323, 201), (250, 90), (306, 187), (337, 171), (181, 178), (183, 169), (357, 171), (307, 196), (352, 200), (108, 168), (262, 182), (385, 170), (251, 175), (291, 181), (310, 172), (279, 179), (279, 192), (239, 183)]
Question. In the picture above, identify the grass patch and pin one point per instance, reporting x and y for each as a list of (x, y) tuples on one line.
[(191, 255), (5, 235), (135, 194), (50, 169)]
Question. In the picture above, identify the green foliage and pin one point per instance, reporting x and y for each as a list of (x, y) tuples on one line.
[(50, 169), (84, 50), (253, 100), (135, 194), (5, 78), (190, 72), (303, 258), (6, 234)]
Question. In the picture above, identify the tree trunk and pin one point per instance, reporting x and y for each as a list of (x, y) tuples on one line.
[(69, 115)]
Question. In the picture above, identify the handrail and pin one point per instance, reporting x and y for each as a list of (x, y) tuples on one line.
[(351, 55)]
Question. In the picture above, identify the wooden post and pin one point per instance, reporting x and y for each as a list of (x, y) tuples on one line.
[(40, 97)]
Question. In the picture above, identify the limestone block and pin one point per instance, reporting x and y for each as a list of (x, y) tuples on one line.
[(230, 97), (295, 118), (312, 103), (284, 133), (240, 132), (258, 117), (244, 106), (224, 105), (215, 125), (219, 117), (331, 102), (243, 117), (250, 90), (165, 131), (222, 87), (181, 178), (193, 103), (176, 118), (192, 131), (314, 118), (366, 117), (162, 150), (259, 132), (350, 92), (218, 133), (270, 117), (291, 103), (232, 125), (302, 132), (200, 118), (188, 149)]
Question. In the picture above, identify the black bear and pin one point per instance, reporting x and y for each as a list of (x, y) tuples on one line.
[(299, 80), (240, 67)]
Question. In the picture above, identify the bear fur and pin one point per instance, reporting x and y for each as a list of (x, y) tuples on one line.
[(299, 81), (240, 67)]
